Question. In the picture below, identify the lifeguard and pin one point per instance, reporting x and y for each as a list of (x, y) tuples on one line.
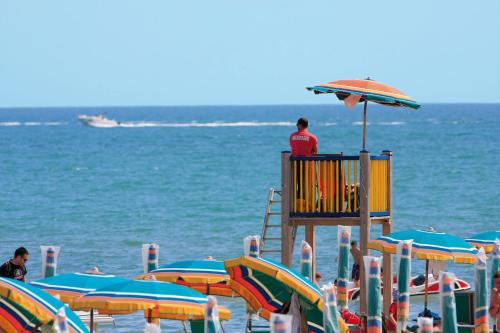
[(302, 142)]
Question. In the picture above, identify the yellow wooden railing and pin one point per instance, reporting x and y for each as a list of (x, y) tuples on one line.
[(324, 185)]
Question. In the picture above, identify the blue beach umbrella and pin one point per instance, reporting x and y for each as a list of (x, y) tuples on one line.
[(306, 260), (448, 306), (481, 293), (344, 240), (374, 310), (485, 240), (74, 285)]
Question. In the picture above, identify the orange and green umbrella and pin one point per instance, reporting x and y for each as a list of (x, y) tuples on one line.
[(353, 92)]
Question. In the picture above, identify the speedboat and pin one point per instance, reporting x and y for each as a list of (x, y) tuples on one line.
[(98, 120), (417, 286)]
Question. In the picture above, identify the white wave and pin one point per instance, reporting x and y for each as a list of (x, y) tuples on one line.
[(10, 123), (359, 123), (328, 124), (208, 124), (49, 123), (392, 123)]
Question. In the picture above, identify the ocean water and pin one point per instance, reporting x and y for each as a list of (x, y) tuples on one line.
[(195, 181)]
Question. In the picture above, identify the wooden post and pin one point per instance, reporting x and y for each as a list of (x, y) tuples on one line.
[(286, 203), (91, 324), (387, 229), (311, 240), (365, 223)]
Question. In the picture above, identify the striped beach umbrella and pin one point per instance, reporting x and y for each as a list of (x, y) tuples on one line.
[(495, 262), (485, 240), (267, 286), (73, 285), (49, 260), (448, 306), (428, 245), (354, 91), (481, 293), (158, 300), (212, 322), (25, 308), (206, 276), (330, 312), (425, 324), (280, 323), (344, 240), (306, 260), (374, 302), (404, 274)]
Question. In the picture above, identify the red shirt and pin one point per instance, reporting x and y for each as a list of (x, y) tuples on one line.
[(303, 143)]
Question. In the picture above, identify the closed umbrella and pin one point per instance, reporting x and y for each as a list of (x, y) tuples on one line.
[(50, 255), (61, 324), (150, 256), (212, 323), (425, 325), (404, 274), (25, 308), (374, 309), (481, 293), (280, 323), (354, 91), (344, 240), (306, 260), (330, 320), (495, 263), (448, 306)]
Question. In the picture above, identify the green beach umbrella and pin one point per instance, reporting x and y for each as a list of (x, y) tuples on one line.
[(212, 322), (306, 260), (374, 310), (404, 274), (495, 264), (448, 306), (425, 325), (344, 240), (330, 319), (481, 293)]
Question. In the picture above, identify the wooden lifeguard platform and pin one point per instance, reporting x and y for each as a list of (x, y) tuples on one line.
[(333, 190)]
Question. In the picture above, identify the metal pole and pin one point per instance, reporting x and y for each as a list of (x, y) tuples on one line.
[(426, 285), (91, 321), (364, 124)]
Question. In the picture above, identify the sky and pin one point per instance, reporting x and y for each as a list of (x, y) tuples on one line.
[(222, 52)]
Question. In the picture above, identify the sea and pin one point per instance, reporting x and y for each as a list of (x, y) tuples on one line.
[(195, 181)]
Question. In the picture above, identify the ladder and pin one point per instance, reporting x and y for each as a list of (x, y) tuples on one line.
[(270, 223)]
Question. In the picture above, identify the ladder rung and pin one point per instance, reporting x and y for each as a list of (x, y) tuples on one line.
[(273, 213), (272, 238), (275, 201), (273, 250)]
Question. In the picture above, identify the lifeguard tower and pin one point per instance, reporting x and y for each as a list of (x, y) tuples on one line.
[(335, 190)]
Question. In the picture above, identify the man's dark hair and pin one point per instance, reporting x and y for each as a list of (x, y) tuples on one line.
[(20, 252), (303, 121), (354, 243), (497, 275)]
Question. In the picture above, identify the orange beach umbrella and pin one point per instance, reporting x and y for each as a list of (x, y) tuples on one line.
[(354, 91)]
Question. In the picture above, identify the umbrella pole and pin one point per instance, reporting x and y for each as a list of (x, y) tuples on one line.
[(364, 124), (149, 316), (426, 284), (91, 324)]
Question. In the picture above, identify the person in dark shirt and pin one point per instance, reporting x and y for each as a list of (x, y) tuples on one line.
[(15, 268)]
